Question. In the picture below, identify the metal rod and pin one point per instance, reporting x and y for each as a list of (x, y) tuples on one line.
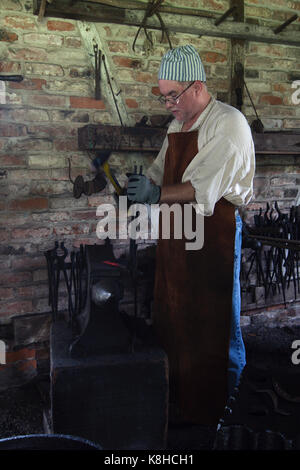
[(225, 15), (285, 24), (97, 54), (112, 91), (11, 78), (279, 242)]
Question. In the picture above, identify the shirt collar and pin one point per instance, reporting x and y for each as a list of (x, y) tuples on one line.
[(176, 126)]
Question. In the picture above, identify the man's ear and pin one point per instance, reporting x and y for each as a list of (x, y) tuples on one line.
[(198, 86)]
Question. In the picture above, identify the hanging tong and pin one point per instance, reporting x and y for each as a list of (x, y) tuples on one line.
[(112, 91), (97, 54)]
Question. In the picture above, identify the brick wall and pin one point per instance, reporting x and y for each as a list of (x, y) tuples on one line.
[(39, 118)]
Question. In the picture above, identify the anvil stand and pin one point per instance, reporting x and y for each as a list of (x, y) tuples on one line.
[(101, 388)]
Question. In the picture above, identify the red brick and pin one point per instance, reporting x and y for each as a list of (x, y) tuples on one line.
[(51, 131), (213, 57), (12, 130), (71, 230), (48, 100), (27, 262), (20, 355), (19, 307), (10, 67), (118, 46), (72, 42), (127, 62), (8, 37), (14, 278), (29, 54), (36, 203), (25, 292), (31, 233), (282, 88), (66, 145), (89, 103), (155, 90), (28, 84), (21, 22), (6, 293), (269, 99), (131, 103), (145, 77), (12, 160), (84, 215), (54, 25), (4, 235)]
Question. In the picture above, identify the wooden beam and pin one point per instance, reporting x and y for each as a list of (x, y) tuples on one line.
[(149, 139), (136, 5), (85, 11), (237, 58), (95, 12)]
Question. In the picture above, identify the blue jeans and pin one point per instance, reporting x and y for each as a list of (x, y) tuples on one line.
[(237, 353)]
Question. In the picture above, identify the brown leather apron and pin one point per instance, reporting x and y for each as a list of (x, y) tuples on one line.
[(193, 302)]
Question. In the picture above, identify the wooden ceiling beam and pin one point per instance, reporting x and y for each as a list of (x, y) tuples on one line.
[(138, 5), (96, 12)]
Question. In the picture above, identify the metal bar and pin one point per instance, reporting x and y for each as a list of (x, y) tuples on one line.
[(11, 78), (225, 15), (285, 24), (112, 91)]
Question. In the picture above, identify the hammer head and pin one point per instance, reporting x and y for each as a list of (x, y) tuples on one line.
[(101, 157)]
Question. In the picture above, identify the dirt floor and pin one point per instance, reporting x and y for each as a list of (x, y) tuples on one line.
[(269, 353)]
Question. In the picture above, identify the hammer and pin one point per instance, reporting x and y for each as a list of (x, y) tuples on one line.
[(101, 161)]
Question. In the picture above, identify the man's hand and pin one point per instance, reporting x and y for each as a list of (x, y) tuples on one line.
[(141, 189)]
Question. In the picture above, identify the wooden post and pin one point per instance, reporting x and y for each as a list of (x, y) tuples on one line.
[(237, 59)]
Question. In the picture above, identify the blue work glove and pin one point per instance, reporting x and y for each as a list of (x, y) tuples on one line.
[(140, 189)]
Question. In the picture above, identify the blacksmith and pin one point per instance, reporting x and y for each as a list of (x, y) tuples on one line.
[(207, 159)]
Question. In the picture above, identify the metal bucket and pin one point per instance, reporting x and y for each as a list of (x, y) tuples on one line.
[(47, 442)]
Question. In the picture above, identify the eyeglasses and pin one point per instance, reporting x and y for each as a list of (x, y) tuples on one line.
[(174, 99)]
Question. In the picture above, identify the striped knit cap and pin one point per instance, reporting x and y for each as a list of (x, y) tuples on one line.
[(182, 64)]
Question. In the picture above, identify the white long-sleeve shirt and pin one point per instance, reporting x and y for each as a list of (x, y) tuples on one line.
[(225, 163)]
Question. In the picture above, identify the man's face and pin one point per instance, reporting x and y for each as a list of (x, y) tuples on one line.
[(184, 109)]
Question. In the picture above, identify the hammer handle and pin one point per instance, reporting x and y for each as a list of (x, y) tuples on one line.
[(115, 184)]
